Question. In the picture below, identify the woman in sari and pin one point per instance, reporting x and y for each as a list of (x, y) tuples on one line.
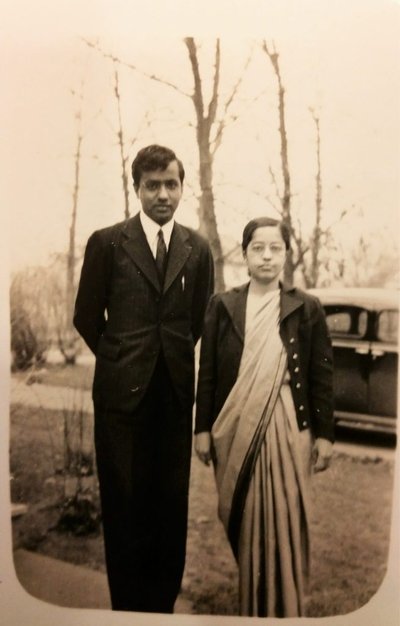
[(265, 418)]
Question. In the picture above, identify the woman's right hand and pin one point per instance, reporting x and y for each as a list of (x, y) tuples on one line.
[(202, 446)]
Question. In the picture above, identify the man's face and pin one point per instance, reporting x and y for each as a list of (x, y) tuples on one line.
[(159, 192)]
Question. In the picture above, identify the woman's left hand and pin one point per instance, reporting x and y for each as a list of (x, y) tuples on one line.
[(321, 454), (202, 446)]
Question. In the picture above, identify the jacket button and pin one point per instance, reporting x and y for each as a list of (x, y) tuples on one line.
[(297, 369), (134, 389), (301, 407), (298, 385), (295, 356), (291, 340), (304, 423)]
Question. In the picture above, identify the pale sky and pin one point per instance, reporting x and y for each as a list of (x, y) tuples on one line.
[(340, 58)]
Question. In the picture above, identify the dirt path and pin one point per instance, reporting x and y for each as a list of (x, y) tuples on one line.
[(50, 397), (67, 398)]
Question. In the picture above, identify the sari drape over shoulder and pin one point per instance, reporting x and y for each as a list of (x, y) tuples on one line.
[(261, 473)]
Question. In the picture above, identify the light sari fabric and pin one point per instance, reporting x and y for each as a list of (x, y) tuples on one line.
[(262, 466)]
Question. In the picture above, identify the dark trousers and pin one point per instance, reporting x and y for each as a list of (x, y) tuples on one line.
[(143, 462)]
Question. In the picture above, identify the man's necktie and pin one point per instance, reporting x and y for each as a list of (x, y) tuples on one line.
[(161, 256)]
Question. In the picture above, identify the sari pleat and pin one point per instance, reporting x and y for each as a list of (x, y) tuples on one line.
[(258, 446), (276, 532)]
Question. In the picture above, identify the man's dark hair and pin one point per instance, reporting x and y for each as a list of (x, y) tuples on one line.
[(153, 158), (260, 222)]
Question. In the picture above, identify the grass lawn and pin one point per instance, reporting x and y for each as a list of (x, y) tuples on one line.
[(350, 528), (350, 539)]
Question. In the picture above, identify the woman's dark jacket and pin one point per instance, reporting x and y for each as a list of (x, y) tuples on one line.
[(305, 336)]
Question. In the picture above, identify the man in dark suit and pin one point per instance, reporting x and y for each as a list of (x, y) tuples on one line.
[(143, 291)]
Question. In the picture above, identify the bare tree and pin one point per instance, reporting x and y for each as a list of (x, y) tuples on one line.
[(311, 273), (210, 126), (206, 116), (39, 312), (372, 262), (121, 144), (307, 250), (68, 339), (121, 139), (286, 195), (30, 314)]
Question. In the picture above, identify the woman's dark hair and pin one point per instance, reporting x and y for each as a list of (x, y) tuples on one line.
[(153, 158), (261, 222)]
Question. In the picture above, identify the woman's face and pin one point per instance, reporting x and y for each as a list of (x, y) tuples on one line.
[(266, 255)]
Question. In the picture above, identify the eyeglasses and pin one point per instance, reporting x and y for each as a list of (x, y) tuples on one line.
[(155, 185), (274, 248)]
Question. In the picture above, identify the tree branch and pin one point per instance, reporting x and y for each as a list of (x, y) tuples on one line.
[(121, 142), (254, 192), (274, 58), (327, 230), (274, 182), (213, 105), (228, 103), (144, 123), (301, 253), (116, 59), (197, 95)]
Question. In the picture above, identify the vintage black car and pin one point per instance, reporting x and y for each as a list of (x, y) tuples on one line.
[(363, 323)]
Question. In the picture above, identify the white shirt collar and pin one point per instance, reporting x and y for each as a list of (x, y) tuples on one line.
[(151, 229)]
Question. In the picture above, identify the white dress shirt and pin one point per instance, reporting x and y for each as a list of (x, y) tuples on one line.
[(151, 229)]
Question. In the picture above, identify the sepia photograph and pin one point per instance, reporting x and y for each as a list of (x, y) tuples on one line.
[(200, 295)]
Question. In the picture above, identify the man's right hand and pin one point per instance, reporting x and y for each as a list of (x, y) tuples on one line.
[(202, 446)]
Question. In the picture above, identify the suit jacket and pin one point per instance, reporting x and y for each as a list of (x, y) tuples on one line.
[(306, 339), (127, 319)]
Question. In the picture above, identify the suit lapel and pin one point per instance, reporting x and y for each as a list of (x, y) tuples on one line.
[(178, 253), (289, 302), (136, 246), (235, 303)]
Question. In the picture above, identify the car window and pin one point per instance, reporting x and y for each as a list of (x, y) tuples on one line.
[(339, 323), (388, 323), (346, 321)]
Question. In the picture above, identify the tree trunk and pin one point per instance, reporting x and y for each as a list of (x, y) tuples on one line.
[(287, 194), (316, 238), (72, 231), (206, 124), (68, 340), (207, 218), (121, 143)]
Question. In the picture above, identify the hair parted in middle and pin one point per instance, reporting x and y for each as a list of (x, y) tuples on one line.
[(261, 222)]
